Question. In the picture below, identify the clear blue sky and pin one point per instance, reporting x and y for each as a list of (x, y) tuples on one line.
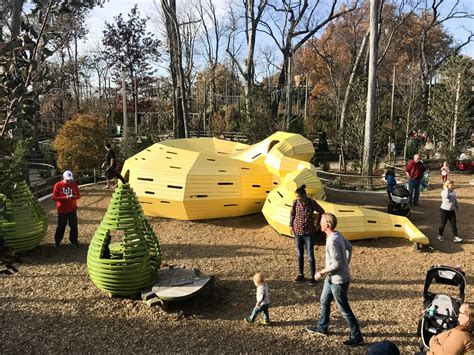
[(457, 27)]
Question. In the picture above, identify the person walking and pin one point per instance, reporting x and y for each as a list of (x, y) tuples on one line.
[(303, 229), (110, 164), (336, 284), (66, 193), (414, 171), (263, 301), (449, 205)]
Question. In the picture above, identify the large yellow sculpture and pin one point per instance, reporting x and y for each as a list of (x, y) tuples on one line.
[(202, 178)]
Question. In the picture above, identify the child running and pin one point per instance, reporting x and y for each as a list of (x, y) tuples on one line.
[(445, 171), (263, 301)]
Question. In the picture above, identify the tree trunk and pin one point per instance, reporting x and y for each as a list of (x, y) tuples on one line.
[(405, 148), (125, 119), (280, 87), (135, 103), (289, 96), (371, 91), (347, 95), (16, 18), (456, 111), (176, 69)]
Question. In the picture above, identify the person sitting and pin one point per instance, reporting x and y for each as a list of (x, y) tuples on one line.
[(457, 340)]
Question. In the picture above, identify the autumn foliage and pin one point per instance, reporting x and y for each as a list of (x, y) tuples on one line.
[(80, 143)]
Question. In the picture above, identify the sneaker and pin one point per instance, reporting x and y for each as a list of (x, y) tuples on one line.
[(440, 238), (299, 278), (353, 342), (312, 282), (76, 245), (248, 321), (457, 240), (56, 244), (314, 330), (265, 322)]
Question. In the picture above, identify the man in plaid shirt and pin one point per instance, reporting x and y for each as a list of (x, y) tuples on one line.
[(303, 229)]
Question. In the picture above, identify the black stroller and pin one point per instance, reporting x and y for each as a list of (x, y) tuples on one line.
[(398, 201), (440, 310)]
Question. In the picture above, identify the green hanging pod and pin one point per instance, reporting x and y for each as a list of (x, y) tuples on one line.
[(23, 222), (124, 253)]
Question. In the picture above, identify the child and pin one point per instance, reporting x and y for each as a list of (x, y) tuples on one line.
[(449, 205), (263, 301), (390, 178), (445, 171)]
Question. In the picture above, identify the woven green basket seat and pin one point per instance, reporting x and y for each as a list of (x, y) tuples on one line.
[(27, 223), (123, 267)]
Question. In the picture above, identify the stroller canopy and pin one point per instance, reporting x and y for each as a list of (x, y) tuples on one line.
[(445, 275)]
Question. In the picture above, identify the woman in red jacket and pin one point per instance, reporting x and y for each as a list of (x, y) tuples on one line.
[(65, 193)]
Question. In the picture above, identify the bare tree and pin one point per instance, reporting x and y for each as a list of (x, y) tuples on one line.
[(295, 23), (181, 54), (210, 37), (252, 18), (432, 19)]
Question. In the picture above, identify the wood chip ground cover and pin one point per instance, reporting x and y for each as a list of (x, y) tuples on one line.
[(51, 306)]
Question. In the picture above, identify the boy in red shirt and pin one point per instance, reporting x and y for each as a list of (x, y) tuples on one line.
[(65, 193)]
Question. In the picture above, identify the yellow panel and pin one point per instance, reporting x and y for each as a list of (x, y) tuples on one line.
[(201, 178)]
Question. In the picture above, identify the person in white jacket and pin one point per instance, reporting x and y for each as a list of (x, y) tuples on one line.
[(263, 301), (449, 205)]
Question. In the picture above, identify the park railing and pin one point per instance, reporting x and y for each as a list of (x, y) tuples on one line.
[(45, 186), (355, 182)]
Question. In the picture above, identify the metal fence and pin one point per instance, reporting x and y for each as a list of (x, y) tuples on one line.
[(45, 186), (356, 182)]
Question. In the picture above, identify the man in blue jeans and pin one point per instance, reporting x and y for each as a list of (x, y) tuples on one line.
[(414, 171), (336, 284)]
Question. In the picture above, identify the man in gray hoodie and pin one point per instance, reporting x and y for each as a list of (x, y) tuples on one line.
[(336, 284)]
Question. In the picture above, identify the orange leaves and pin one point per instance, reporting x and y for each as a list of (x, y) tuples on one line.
[(80, 143)]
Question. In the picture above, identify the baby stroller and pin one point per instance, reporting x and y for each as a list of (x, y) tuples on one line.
[(440, 310), (398, 201)]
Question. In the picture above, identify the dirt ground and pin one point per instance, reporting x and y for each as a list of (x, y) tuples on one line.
[(51, 306)]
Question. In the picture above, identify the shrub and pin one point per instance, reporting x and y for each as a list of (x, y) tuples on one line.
[(79, 144), (13, 167)]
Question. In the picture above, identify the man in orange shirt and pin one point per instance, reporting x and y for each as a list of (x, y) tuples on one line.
[(65, 193)]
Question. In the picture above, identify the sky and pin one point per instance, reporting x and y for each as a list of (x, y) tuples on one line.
[(96, 19)]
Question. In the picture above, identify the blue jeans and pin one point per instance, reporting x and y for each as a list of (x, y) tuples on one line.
[(256, 310), (339, 293), (414, 191), (300, 242)]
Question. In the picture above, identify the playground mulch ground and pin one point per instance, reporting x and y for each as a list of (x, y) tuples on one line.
[(51, 306)]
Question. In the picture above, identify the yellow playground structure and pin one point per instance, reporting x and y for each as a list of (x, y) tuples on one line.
[(203, 178)]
